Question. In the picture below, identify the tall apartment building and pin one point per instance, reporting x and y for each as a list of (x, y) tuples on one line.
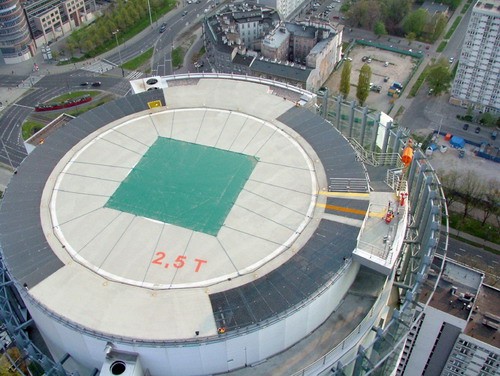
[(286, 8), (456, 333), (15, 40), (477, 81)]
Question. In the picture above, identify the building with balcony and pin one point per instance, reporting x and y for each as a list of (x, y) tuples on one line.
[(477, 81), (16, 44)]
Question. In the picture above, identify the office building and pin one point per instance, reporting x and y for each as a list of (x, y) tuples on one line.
[(15, 39), (51, 19)]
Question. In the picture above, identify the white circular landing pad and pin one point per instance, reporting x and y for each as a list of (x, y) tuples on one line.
[(273, 207)]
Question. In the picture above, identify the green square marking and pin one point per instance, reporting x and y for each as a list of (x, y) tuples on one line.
[(184, 184)]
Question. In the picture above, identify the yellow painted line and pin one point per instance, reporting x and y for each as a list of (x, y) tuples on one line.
[(343, 194), (342, 209), (354, 211)]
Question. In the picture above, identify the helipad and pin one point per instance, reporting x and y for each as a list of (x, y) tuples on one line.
[(185, 206), (204, 234)]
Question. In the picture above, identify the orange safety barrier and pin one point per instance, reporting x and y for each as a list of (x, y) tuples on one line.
[(407, 156)]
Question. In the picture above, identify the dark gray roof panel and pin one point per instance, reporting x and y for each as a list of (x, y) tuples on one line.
[(336, 155), (104, 114), (291, 283)]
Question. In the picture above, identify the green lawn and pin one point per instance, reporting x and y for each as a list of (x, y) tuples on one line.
[(416, 87), (473, 227), (30, 127), (177, 57), (72, 95)]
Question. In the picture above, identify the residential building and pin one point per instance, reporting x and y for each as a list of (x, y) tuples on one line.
[(299, 53), (477, 81), (286, 8)]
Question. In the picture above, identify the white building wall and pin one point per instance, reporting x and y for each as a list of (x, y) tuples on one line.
[(218, 355), (478, 76)]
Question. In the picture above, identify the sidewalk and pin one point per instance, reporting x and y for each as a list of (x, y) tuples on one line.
[(473, 239)]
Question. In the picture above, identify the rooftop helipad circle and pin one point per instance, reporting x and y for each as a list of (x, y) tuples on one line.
[(188, 197)]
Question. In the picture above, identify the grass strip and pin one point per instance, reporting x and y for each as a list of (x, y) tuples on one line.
[(453, 27), (442, 46), (420, 80), (138, 61)]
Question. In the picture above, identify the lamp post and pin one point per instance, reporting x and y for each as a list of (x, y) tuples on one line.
[(115, 33), (150, 18)]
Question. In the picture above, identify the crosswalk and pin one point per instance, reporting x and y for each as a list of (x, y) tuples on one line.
[(99, 66), (102, 65), (134, 75)]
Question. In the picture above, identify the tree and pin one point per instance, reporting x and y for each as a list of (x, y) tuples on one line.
[(487, 119), (394, 11), (439, 26), (439, 77), (345, 79), (364, 14), (490, 199), (379, 29), (450, 182), (415, 22), (469, 189), (363, 88), (410, 37)]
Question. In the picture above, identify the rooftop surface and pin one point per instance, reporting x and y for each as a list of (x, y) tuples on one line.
[(279, 243), (485, 320), (458, 285)]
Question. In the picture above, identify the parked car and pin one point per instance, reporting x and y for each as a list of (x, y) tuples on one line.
[(494, 135), (465, 127), (386, 78), (477, 130)]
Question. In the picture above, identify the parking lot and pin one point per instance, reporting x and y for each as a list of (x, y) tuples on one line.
[(450, 161), (398, 70)]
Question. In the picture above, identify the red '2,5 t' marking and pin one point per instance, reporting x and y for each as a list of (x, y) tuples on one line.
[(159, 259), (179, 262), (199, 263)]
